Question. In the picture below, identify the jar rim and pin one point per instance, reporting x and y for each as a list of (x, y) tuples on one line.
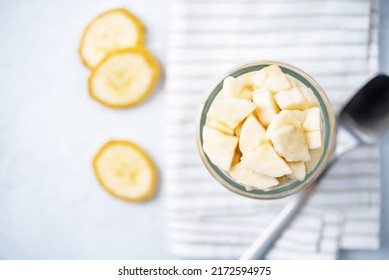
[(291, 186)]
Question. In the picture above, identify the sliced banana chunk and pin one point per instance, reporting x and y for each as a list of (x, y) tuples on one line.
[(250, 179), (236, 88), (219, 147), (291, 99), (313, 139), (246, 78), (111, 31), (266, 106), (251, 135), (309, 96), (217, 125), (124, 78), (276, 80), (315, 158), (289, 142), (265, 160), (230, 112), (298, 169), (125, 171), (258, 78), (286, 117), (292, 81), (312, 120)]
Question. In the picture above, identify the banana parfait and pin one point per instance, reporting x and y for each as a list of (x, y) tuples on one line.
[(264, 129)]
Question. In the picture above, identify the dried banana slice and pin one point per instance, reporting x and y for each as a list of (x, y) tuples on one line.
[(126, 171), (124, 78), (113, 30)]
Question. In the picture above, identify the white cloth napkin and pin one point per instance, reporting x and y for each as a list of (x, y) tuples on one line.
[(334, 41)]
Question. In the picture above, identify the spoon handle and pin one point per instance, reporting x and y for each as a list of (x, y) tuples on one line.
[(267, 238), (345, 141)]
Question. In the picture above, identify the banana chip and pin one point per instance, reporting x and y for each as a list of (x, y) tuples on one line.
[(126, 171), (113, 30), (124, 78)]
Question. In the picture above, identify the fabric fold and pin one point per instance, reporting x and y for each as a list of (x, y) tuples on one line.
[(334, 41)]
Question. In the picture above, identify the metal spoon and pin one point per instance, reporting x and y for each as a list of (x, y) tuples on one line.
[(361, 122)]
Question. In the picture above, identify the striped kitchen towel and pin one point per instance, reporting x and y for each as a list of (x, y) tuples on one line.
[(334, 41)]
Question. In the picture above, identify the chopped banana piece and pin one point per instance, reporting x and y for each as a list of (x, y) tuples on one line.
[(289, 142), (287, 135), (125, 171), (258, 78), (265, 160), (313, 139), (292, 81), (312, 120), (251, 135), (232, 87), (219, 147), (217, 125), (124, 78), (276, 79), (246, 78), (298, 169), (291, 99), (286, 117), (266, 106), (309, 96), (230, 112), (315, 158), (235, 88), (111, 31), (250, 179)]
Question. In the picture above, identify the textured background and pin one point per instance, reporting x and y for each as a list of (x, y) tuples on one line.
[(50, 203)]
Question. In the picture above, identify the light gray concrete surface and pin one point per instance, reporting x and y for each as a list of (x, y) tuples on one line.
[(51, 206)]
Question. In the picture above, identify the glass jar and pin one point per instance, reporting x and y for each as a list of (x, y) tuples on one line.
[(322, 155)]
